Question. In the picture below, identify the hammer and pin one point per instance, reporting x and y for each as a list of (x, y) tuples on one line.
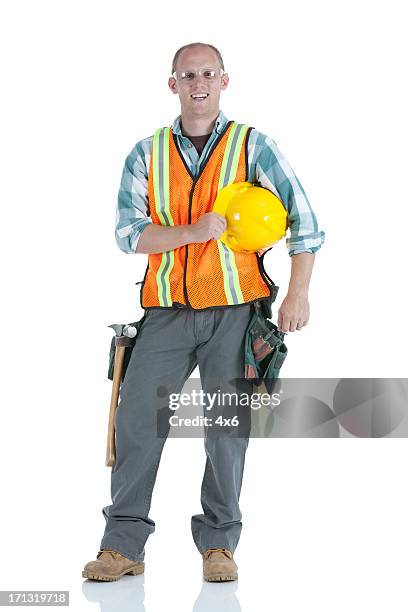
[(124, 337)]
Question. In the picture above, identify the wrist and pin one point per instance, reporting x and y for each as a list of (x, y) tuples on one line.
[(298, 291), (187, 233)]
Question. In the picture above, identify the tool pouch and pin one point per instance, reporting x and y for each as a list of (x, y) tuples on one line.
[(130, 342), (265, 350)]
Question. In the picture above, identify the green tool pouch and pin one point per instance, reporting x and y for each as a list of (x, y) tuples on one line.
[(265, 350), (128, 350)]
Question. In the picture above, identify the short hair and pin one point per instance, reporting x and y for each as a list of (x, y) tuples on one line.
[(195, 44)]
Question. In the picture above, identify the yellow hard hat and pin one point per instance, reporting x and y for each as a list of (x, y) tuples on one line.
[(256, 218)]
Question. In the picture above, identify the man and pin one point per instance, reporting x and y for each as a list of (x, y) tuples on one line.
[(198, 297)]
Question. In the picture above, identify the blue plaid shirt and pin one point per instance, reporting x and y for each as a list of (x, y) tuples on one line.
[(266, 165)]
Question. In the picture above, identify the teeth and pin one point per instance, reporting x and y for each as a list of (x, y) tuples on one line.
[(199, 95)]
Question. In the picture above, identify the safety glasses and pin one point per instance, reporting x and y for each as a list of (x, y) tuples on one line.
[(209, 74)]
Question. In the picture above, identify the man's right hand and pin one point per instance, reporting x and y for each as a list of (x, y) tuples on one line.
[(156, 238), (211, 225)]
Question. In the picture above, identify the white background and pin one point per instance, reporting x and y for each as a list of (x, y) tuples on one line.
[(324, 521)]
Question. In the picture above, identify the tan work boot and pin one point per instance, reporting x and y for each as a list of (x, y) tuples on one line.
[(219, 565), (111, 565)]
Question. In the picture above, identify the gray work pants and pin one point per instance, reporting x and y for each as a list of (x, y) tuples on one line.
[(170, 344)]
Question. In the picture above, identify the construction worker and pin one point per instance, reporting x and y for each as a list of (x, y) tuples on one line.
[(197, 295)]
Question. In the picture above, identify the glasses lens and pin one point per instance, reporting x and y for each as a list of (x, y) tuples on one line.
[(209, 74), (189, 75)]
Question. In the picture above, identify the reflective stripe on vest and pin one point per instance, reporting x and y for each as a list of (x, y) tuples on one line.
[(227, 175), (162, 198)]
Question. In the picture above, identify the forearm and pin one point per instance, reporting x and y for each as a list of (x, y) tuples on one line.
[(301, 272), (158, 239)]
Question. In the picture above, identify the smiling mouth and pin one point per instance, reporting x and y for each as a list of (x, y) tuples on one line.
[(199, 97)]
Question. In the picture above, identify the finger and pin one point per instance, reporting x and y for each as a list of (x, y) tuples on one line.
[(292, 325), (219, 230), (285, 324), (219, 217), (218, 223)]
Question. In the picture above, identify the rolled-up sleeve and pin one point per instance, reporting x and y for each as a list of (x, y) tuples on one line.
[(275, 173), (132, 212)]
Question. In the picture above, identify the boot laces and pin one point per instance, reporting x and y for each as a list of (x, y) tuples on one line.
[(226, 552), (114, 554)]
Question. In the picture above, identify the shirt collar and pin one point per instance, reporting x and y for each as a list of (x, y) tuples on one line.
[(219, 125)]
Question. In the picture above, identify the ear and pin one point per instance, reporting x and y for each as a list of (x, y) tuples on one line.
[(224, 81), (173, 84)]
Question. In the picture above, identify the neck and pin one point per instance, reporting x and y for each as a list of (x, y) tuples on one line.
[(198, 126)]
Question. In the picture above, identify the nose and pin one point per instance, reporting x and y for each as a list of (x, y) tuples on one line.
[(199, 77)]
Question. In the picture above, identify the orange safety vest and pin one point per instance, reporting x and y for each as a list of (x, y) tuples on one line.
[(208, 274)]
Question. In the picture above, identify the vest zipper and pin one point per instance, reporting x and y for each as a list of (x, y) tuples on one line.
[(190, 204)]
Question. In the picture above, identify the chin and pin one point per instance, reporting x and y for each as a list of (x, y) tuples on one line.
[(201, 110)]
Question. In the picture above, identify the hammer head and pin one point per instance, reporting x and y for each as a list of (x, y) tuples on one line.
[(124, 334), (118, 328), (123, 329)]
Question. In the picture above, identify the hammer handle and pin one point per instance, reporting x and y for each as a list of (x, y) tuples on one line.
[(117, 377)]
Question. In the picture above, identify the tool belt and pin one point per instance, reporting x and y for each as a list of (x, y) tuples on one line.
[(265, 350), (129, 344)]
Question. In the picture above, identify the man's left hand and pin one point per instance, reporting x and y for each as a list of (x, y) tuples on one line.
[(294, 312)]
